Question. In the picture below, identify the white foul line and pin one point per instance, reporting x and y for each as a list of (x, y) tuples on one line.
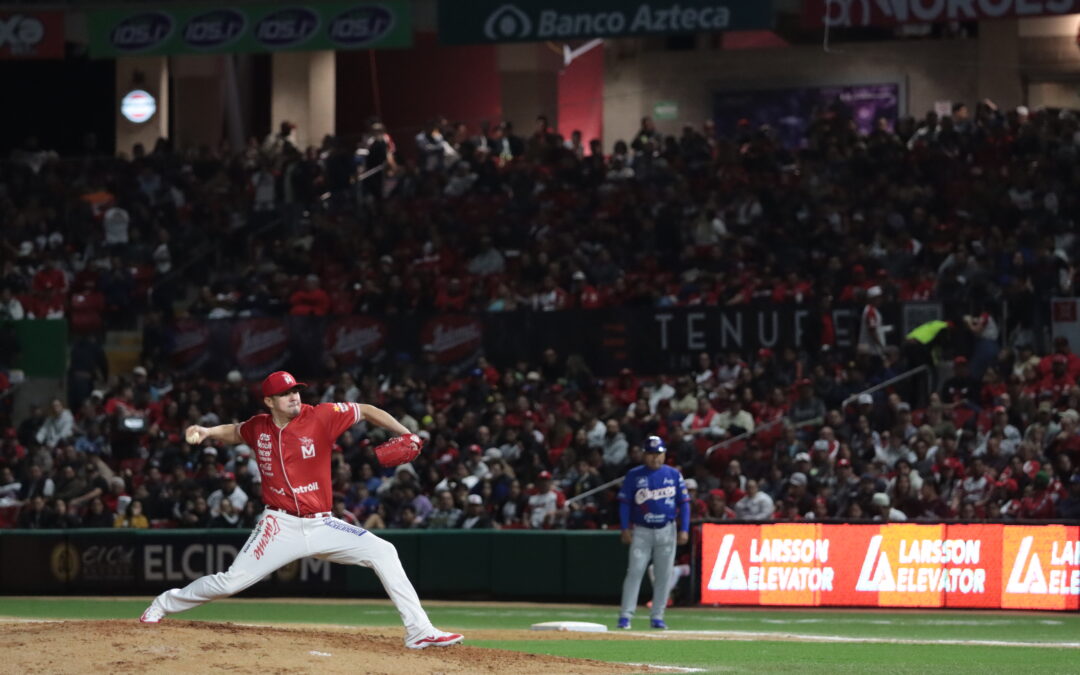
[(670, 669), (752, 635)]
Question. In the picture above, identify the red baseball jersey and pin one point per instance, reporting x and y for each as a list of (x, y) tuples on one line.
[(294, 461)]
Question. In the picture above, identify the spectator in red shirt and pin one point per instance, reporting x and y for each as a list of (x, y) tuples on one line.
[(1067, 441), (992, 388), (1057, 383), (699, 508), (718, 508), (858, 283), (451, 296), (625, 387), (1061, 349), (1038, 503), (49, 278), (311, 300), (583, 293)]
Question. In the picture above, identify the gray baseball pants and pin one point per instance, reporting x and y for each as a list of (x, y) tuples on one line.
[(655, 546)]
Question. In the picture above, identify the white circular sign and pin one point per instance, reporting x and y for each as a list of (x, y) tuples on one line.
[(138, 106)]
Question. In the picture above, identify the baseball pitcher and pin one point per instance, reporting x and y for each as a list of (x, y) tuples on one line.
[(293, 443), (652, 496)]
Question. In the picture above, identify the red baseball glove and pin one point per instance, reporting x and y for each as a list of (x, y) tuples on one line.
[(399, 450)]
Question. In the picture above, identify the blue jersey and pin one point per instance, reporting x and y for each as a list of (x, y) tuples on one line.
[(654, 498)]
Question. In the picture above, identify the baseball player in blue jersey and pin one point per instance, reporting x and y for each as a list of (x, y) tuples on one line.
[(650, 499)]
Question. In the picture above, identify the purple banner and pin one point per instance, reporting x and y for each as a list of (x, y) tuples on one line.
[(790, 112)]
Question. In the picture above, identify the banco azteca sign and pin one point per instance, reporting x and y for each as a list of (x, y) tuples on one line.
[(497, 21)]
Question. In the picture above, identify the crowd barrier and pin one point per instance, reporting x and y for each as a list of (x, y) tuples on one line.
[(892, 565)]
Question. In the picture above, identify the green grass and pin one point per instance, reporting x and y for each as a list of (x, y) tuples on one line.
[(798, 657), (757, 653), (910, 625)]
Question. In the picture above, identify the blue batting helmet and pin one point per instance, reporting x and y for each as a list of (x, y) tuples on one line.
[(654, 444)]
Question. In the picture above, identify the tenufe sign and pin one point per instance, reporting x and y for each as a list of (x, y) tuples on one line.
[(847, 13), (894, 565)]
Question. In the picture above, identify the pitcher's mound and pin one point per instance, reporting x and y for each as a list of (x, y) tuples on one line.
[(126, 646)]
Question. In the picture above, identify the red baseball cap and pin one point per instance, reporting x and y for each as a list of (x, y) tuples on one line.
[(544, 475), (717, 493), (280, 382), (843, 461)]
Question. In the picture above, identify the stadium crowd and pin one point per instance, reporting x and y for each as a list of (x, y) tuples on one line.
[(975, 210)]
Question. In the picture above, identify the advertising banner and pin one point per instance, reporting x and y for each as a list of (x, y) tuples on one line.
[(351, 339), (142, 562), (484, 21), (892, 565), (647, 340), (31, 35), (789, 112), (250, 28), (846, 13)]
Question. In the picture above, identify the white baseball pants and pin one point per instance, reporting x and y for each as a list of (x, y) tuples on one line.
[(279, 538)]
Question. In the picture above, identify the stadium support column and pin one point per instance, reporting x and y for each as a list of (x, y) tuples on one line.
[(199, 110), (149, 74), (304, 93), (530, 84), (999, 63)]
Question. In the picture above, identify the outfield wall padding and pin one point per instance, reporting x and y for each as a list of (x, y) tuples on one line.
[(496, 564), (990, 566)]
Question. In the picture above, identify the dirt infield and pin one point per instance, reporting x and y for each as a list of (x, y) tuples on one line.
[(124, 646)]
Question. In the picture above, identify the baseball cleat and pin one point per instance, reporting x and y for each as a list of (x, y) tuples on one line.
[(624, 623), (152, 614), (658, 624), (434, 638)]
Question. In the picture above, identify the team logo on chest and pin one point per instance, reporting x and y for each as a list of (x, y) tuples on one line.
[(307, 447)]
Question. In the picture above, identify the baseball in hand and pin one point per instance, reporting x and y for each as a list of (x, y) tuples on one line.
[(193, 436)]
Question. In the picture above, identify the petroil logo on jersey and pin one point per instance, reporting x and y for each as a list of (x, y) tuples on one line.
[(1029, 576), (782, 565), (921, 567)]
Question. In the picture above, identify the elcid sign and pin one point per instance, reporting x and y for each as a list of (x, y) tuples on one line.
[(894, 565), (250, 28), (31, 35), (480, 21)]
